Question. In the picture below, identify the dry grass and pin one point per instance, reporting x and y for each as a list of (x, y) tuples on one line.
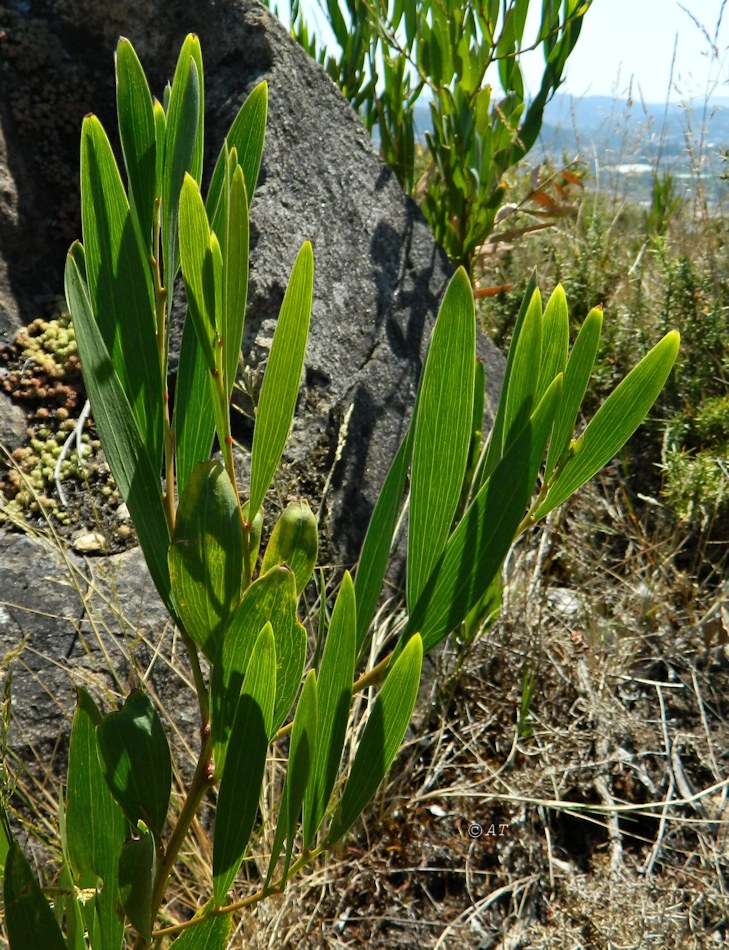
[(608, 813), (584, 733)]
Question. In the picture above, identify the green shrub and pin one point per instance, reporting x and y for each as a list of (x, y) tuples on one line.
[(391, 54), (470, 498)]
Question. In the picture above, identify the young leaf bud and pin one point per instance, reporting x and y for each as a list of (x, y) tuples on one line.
[(295, 542)]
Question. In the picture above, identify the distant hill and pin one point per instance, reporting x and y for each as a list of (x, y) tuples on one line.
[(630, 139), (643, 131), (626, 142)]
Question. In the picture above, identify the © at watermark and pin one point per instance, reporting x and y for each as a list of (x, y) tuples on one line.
[(494, 830)]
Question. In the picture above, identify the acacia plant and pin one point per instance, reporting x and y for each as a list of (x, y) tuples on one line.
[(469, 499), (463, 57)]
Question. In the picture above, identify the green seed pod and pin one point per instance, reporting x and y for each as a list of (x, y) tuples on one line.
[(255, 536), (295, 542)]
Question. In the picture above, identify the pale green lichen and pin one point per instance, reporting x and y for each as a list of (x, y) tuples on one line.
[(43, 375)]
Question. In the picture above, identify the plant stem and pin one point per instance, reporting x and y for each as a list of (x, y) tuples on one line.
[(200, 688), (306, 858), (160, 306), (371, 678), (202, 780), (226, 445)]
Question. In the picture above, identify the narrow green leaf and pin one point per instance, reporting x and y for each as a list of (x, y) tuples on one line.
[(68, 906), (478, 546), (137, 867), (290, 660), (235, 275), (184, 128), (382, 737), (193, 421), (246, 136), (29, 920), (138, 138), (576, 378), (211, 934), (442, 432), (120, 284), (135, 760), (494, 452), (270, 598), (240, 786), (614, 422), (281, 380), (375, 552), (206, 556), (302, 756), (160, 135), (196, 166), (521, 394), (194, 251), (6, 836), (555, 340), (95, 825), (135, 474), (336, 675)]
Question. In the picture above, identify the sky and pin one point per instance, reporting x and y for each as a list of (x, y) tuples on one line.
[(626, 46), (633, 40)]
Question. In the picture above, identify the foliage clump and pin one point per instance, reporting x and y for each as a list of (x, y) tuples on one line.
[(470, 499)]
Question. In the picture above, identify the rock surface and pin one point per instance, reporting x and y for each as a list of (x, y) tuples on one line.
[(379, 273), (65, 622), (13, 423)]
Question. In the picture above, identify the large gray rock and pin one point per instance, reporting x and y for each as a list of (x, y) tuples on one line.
[(66, 622), (379, 273), (40, 615)]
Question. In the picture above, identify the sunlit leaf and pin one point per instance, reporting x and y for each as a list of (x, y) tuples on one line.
[(271, 598), (138, 139), (282, 377), (555, 340), (211, 934), (194, 250), (496, 443), (120, 284), (382, 737), (442, 432), (522, 389), (576, 378), (193, 420), (135, 474), (235, 275), (246, 136), (160, 134), (614, 422), (478, 546), (375, 552), (183, 147), (334, 695), (206, 556)]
